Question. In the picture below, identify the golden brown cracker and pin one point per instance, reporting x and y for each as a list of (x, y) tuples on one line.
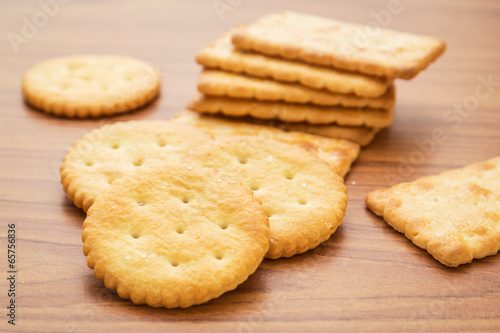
[(107, 153), (175, 235), (222, 55), (455, 216), (352, 47), (294, 113), (304, 198), (340, 154), (359, 134), (82, 86), (220, 83)]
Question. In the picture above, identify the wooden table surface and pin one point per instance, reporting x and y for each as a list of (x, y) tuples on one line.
[(367, 277)]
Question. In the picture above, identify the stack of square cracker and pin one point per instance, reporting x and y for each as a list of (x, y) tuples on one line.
[(311, 74)]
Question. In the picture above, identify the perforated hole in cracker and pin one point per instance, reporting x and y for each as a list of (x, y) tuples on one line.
[(162, 142), (174, 262), (179, 229), (242, 160), (185, 198), (223, 225), (138, 162), (219, 255)]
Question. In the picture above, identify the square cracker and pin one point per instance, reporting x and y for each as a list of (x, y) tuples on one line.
[(348, 46), (338, 153), (455, 216), (222, 55), (359, 134), (220, 83), (294, 113), (219, 125)]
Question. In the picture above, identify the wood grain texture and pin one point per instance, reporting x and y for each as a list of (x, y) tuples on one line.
[(367, 277)]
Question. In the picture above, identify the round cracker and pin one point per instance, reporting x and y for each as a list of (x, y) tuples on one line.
[(107, 153), (83, 86), (175, 235), (304, 198)]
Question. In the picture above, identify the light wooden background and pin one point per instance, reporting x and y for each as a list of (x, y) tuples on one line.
[(367, 277)]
